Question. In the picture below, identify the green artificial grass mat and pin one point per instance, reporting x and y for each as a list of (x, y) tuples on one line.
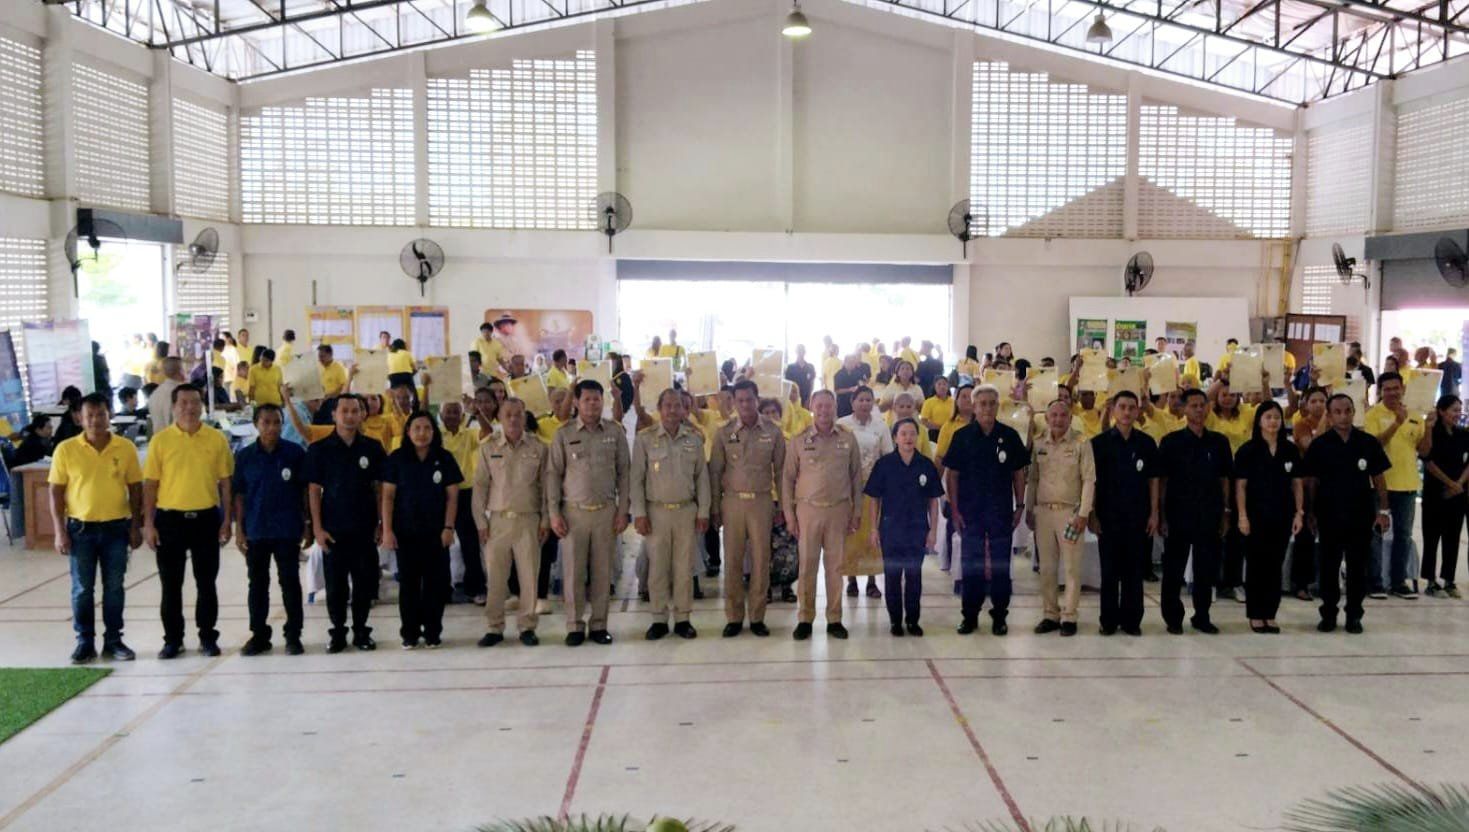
[(27, 694)]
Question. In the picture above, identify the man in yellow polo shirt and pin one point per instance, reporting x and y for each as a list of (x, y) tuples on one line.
[(332, 373), (1403, 437), (491, 350), (186, 512), (558, 377), (95, 494), (287, 350), (265, 380)]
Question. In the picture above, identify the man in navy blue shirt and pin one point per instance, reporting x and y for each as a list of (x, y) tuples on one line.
[(270, 489), (985, 477), (1195, 466), (1126, 514)]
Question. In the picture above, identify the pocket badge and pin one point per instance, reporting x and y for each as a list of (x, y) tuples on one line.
[(1002, 454), (362, 462), (922, 479), (286, 474), (1288, 466), (438, 477), (1361, 465), (1139, 466)]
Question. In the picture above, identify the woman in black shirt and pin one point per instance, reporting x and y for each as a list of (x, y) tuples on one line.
[(35, 442), (904, 486), (1271, 505), (1446, 473), (420, 502)]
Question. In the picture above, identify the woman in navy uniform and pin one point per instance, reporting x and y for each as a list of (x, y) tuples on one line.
[(1272, 508), (420, 505), (904, 486)]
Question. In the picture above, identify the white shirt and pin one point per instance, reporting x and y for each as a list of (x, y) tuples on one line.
[(160, 405), (894, 390), (873, 439)]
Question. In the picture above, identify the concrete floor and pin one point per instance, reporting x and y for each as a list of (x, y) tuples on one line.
[(1188, 733)]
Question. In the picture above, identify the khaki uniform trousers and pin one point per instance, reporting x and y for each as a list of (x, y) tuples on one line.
[(591, 547), (514, 538), (1053, 550), (823, 532), (671, 559), (746, 521)]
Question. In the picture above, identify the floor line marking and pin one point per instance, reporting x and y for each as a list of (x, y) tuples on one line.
[(586, 740), (37, 586), (148, 577), (107, 743), (984, 757), (1319, 717)]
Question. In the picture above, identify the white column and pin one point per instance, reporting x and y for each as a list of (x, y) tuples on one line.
[(961, 131), (785, 123), (160, 134), (57, 61), (418, 82), (1384, 152), (1131, 181), (604, 37)]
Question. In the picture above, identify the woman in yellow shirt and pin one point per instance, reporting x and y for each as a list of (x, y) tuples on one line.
[(969, 365), (937, 409), (153, 372), (400, 364), (794, 417), (903, 382), (963, 414)]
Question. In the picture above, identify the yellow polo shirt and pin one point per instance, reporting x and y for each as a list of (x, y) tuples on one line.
[(937, 410), (946, 435), (285, 352), (1402, 450), (96, 481), (556, 377), (546, 427), (909, 356), (464, 445), (1089, 422), (333, 377), (400, 361), (794, 419), (265, 384), (489, 354), (1237, 430), (1191, 371), (188, 467), (873, 361), (829, 367), (153, 372)]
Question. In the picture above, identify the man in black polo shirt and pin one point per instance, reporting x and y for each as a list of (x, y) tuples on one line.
[(984, 472), (345, 472), (1126, 514), (846, 381), (1344, 467), (1194, 465)]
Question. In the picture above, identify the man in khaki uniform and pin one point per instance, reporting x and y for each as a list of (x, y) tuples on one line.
[(670, 503), (507, 506), (1058, 500), (746, 461), (821, 482), (587, 498)]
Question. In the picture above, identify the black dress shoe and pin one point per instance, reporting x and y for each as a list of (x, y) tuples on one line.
[(1133, 631), (802, 631), (1175, 629), (643, 596), (575, 638), (1326, 625), (1108, 629), (684, 629), (999, 627), (83, 654), (698, 591), (656, 631), (758, 628), (1354, 626), (600, 637), (294, 647), (966, 627), (171, 651), (896, 629), (336, 645), (1204, 626), (1047, 625), (118, 652), (364, 643), (711, 572), (787, 595), (1068, 628), (255, 647), (490, 639), (1272, 629), (733, 629), (209, 648), (915, 630), (836, 630), (529, 638)]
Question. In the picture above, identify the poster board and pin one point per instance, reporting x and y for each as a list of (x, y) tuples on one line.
[(1357, 389), (12, 390), (1041, 387), (703, 375), (1004, 380), (428, 330), (1421, 393), (768, 362), (1093, 375), (1129, 339), (1245, 371), (532, 332), (1272, 359), (1162, 373), (657, 377), (598, 371), (372, 372), (304, 378), (1178, 333), (1016, 415), (1330, 361), (58, 355), (531, 389), (446, 374), (374, 319), (1091, 333), (335, 326), (1129, 379), (1213, 320)]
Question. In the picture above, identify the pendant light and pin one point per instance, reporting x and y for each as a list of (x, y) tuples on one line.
[(796, 26), (1099, 33), (479, 20)]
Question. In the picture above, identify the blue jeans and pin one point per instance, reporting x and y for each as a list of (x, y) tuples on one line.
[(1403, 506), (94, 545)]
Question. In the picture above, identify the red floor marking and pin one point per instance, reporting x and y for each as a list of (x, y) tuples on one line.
[(1010, 803), (586, 740), (1375, 757), (37, 586)]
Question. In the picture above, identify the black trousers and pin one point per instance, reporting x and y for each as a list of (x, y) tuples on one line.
[(1205, 545), (543, 575), (1265, 550), (423, 582), (1124, 554), (287, 557), (351, 575), (1349, 543), (711, 547), (902, 568), (182, 534), (474, 562), (1303, 561), (1443, 523)]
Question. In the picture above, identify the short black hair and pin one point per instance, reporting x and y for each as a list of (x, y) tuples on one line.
[(745, 384), (361, 402), (1334, 396), (862, 388), (476, 356), (288, 335), (126, 393), (558, 355), (1124, 394), (262, 409), (1191, 393), (267, 353), (1389, 376), (1232, 341), (97, 400), (586, 385), (486, 325), (173, 398), (326, 348)]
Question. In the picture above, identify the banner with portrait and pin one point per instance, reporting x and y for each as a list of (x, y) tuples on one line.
[(533, 332)]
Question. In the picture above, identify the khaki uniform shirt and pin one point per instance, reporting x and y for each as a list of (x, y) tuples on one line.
[(588, 466), (821, 468), (1062, 472), (508, 477), (669, 469), (746, 460)]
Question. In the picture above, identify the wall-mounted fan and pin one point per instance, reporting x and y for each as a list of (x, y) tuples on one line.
[(961, 224), (421, 259), (1453, 264), (1138, 273), (202, 251), (1346, 267), (90, 231), (613, 215)]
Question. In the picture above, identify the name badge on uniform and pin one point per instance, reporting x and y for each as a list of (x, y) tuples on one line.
[(1002, 454), (1288, 466), (1139, 466), (923, 479), (362, 462), (1465, 458), (438, 477), (1361, 465), (286, 474), (656, 466)]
